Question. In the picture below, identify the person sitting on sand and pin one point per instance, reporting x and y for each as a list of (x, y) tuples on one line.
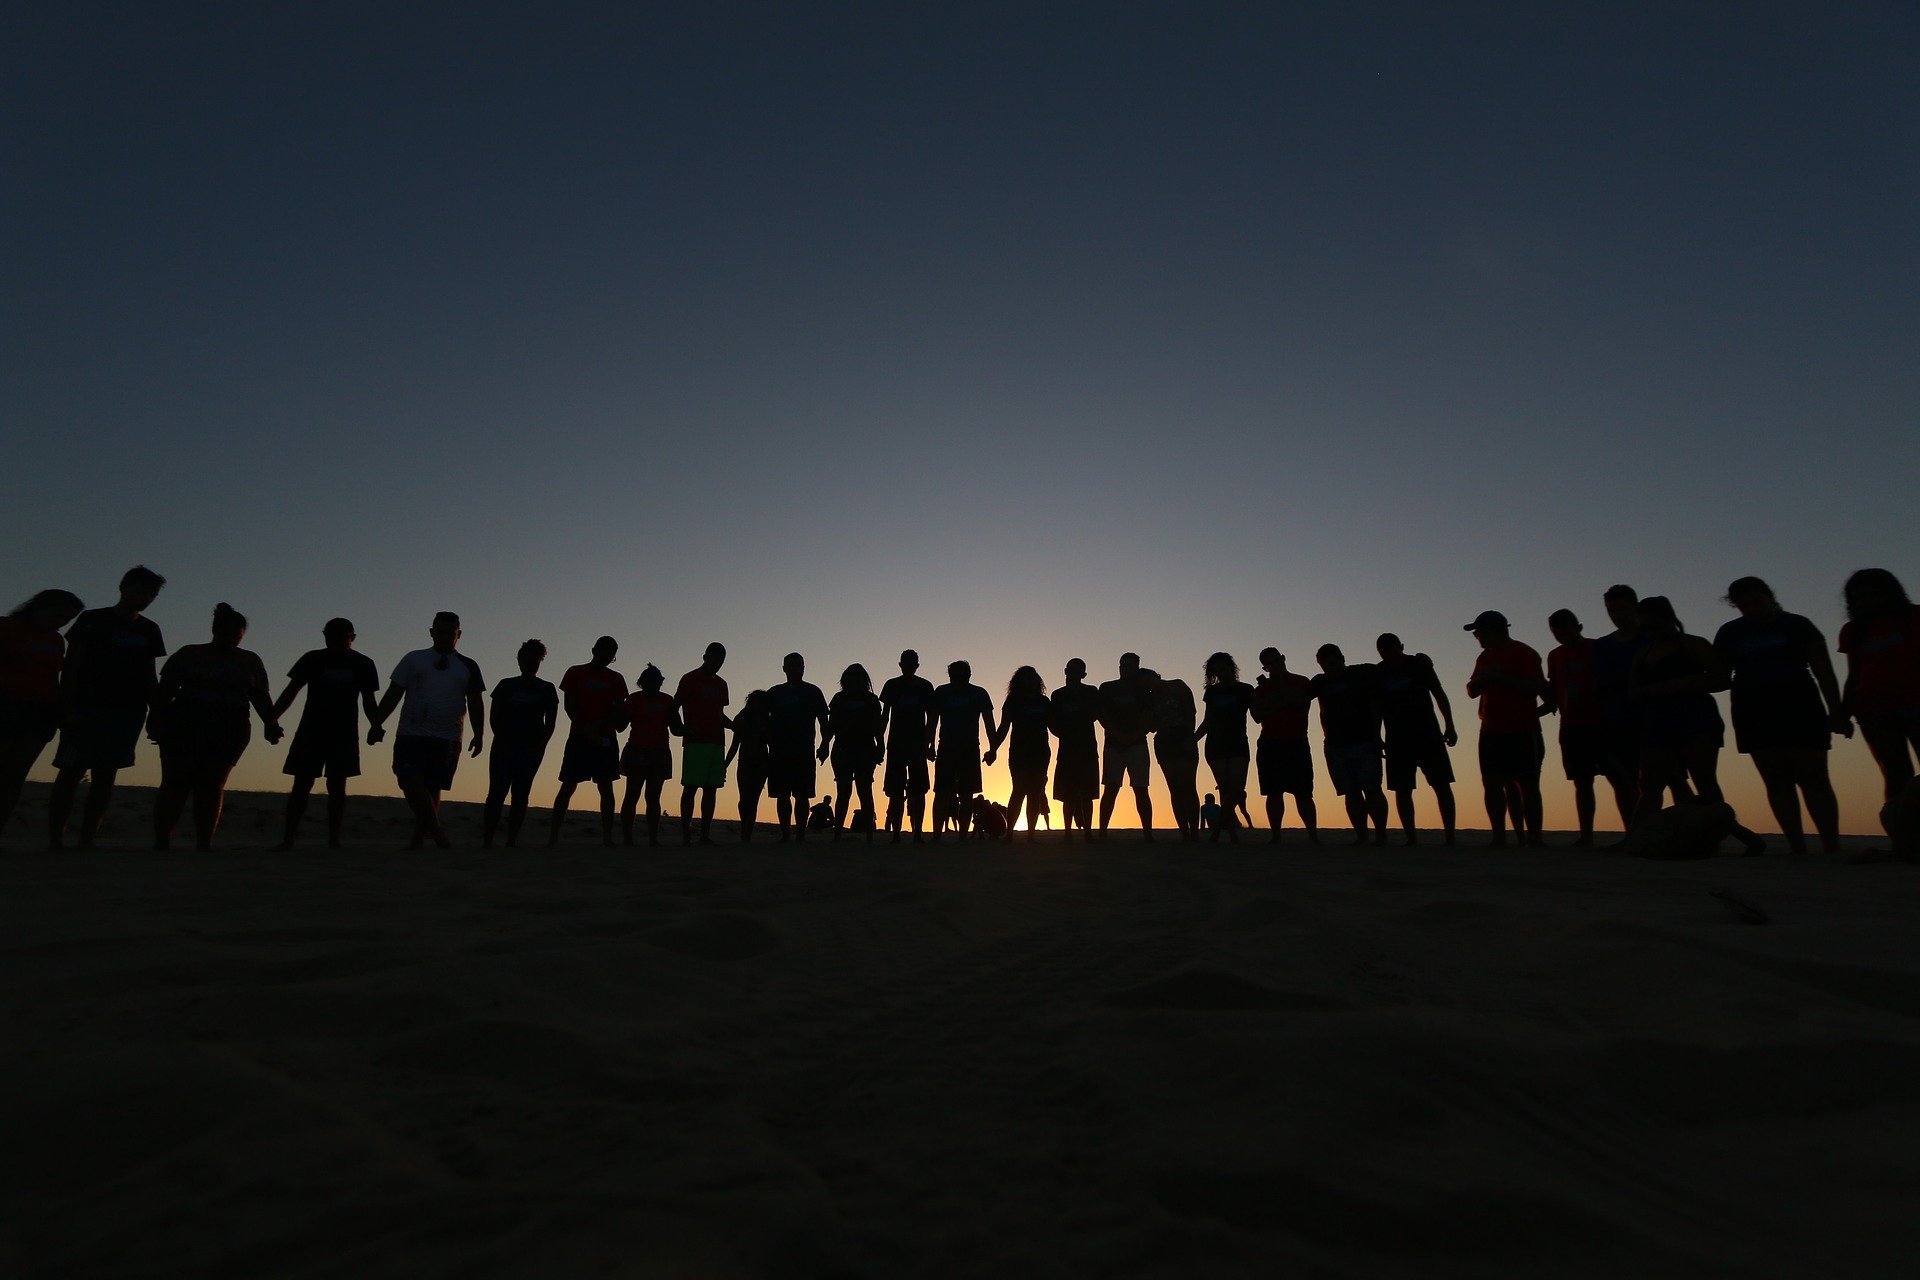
[(959, 707), (339, 683), (1023, 718), (1881, 639), (525, 710), (200, 723), (1209, 814), (853, 743), (31, 655), (107, 687), (794, 707), (701, 700), (648, 759), (1509, 682), (594, 695), (820, 817), (440, 688)]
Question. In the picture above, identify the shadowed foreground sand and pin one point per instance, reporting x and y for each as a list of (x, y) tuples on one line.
[(852, 1061)]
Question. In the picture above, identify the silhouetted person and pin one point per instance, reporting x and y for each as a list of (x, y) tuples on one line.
[(32, 652), (1881, 639), (339, 683), (1282, 757), (1586, 749), (1023, 717), (106, 689), (648, 759), (1508, 680), (794, 708), (1209, 814), (701, 699), (1406, 690), (200, 721), (1786, 706), (595, 696), (1173, 713), (1674, 679), (1228, 699), (1124, 715), (1350, 739), (751, 729), (957, 710), (440, 688), (853, 743), (1076, 768), (1613, 656), (820, 817), (905, 700), (525, 711)]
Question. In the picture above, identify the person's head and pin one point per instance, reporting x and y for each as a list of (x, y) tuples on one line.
[(1564, 625), (960, 671), (49, 610), (1076, 670), (1330, 658), (605, 649), (856, 680), (651, 679), (1388, 646), (1658, 619), (1221, 666), (139, 587), (795, 666), (756, 702), (1026, 683), (715, 655), (1150, 682), (445, 631), (1752, 597), (1209, 799), (531, 655), (338, 633), (1872, 594), (1272, 661), (909, 662), (1623, 607), (1129, 666), (229, 624), (1490, 628)]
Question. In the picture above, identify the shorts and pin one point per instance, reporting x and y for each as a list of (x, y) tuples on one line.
[(1353, 768), (29, 721), (1179, 758), (1586, 752), (513, 765), (855, 761), (313, 753), (100, 737), (1780, 717), (1229, 773), (1128, 763), (957, 773), (1285, 765), (790, 773), (1510, 756), (702, 764), (906, 769), (648, 764), (428, 760), (1623, 749), (1408, 759), (590, 760), (1076, 773), (199, 739)]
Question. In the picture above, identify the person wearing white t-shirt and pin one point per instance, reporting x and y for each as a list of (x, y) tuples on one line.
[(440, 688)]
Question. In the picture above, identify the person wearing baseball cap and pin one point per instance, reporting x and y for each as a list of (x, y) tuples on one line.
[(1509, 682)]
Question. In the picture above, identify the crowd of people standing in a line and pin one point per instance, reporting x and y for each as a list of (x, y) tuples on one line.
[(1635, 707)]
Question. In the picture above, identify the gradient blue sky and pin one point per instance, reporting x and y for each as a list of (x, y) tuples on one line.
[(1009, 332)]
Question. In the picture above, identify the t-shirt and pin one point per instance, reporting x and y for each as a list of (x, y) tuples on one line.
[(650, 712), (1123, 711), (1403, 695), (30, 660), (1884, 658), (437, 687), (1570, 670), (907, 699), (1613, 657), (1504, 709), (1768, 651), (596, 692), (336, 681), (1348, 714), (1026, 719), (1174, 711), (792, 711), (1274, 707), (702, 696), (110, 658), (1074, 710), (960, 707), (215, 679), (523, 707), (1227, 705), (855, 717)]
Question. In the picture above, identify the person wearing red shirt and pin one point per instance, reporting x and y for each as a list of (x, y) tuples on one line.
[(1881, 639), (1282, 756), (1574, 695), (31, 654), (701, 700), (648, 760), (594, 695), (1508, 681)]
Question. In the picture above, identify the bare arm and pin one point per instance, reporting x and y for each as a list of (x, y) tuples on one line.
[(1822, 663), (294, 685), (477, 711)]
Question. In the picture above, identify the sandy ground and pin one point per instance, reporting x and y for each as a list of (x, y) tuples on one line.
[(1046, 1060)]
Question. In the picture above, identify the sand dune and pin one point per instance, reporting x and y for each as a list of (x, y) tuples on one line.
[(1030, 1060)]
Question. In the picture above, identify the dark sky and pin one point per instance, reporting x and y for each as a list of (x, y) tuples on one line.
[(1012, 332)]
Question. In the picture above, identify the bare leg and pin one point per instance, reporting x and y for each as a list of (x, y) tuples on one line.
[(1783, 796), (60, 805), (1810, 770), (296, 809), (654, 787), (1583, 809), (336, 811), (606, 814), (1143, 802), (99, 796), (209, 798), (708, 797), (1403, 802), (1494, 792), (16, 757), (629, 802), (168, 804), (561, 802), (522, 798), (1309, 815)]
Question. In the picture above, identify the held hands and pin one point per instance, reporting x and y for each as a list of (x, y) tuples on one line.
[(821, 754), (1842, 724), (274, 732), (993, 753), (1451, 737), (374, 734)]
